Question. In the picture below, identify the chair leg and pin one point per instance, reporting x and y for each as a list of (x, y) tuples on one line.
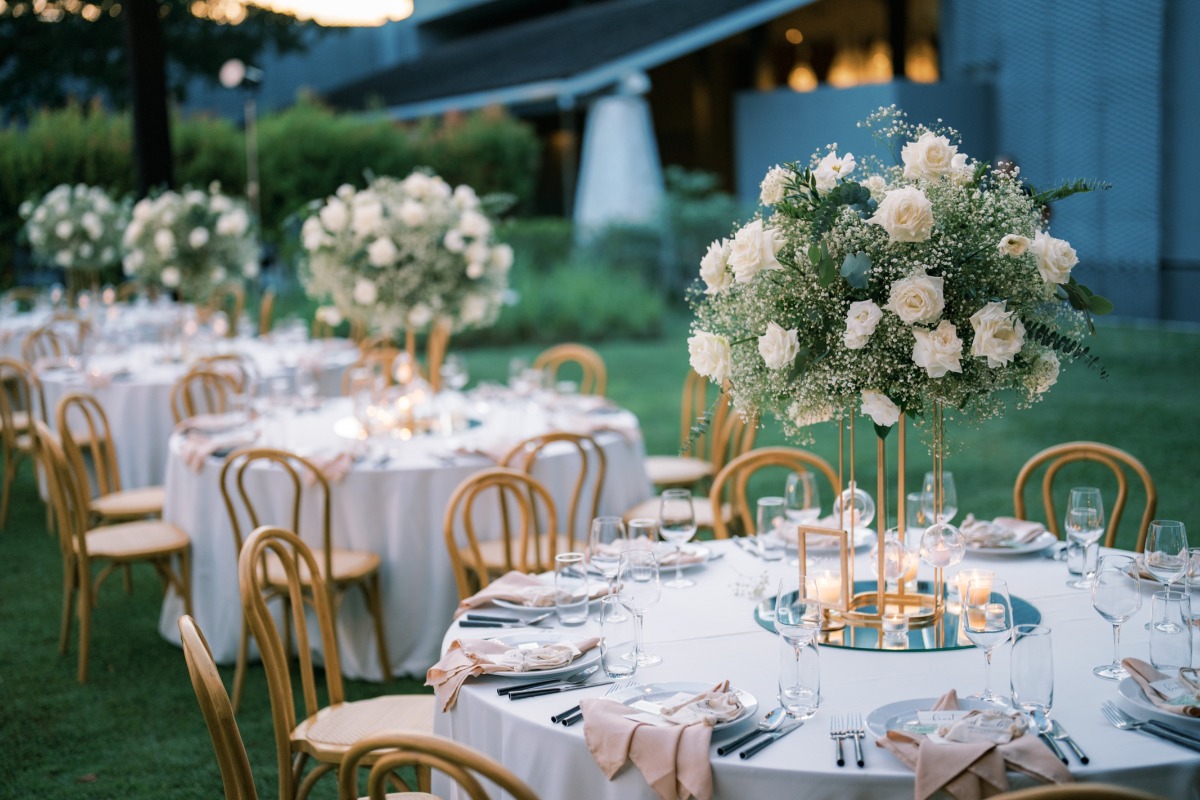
[(185, 580), (68, 600), (10, 474), (239, 672), (128, 579), (374, 605), (85, 631)]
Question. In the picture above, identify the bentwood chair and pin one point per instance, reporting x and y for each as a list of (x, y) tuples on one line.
[(589, 466), (502, 497), (391, 751), (157, 543), (21, 403), (266, 312), (322, 733), (238, 366), (339, 568), (201, 391), (229, 297), (1077, 791), (1117, 461), (595, 376), (49, 343), (730, 487)]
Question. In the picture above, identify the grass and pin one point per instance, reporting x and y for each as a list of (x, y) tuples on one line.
[(135, 731)]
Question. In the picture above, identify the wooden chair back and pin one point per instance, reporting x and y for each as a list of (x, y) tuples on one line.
[(266, 312), (47, 343), (386, 752), (218, 713), (1116, 460), (491, 495), (128, 290), (202, 391), (229, 297), (22, 390), (595, 376), (378, 360), (83, 427), (238, 366), (1077, 791), (725, 437), (70, 503), (734, 478), (592, 468), (26, 296)]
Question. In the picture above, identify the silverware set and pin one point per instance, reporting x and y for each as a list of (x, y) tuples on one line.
[(755, 548), (772, 727), (577, 680), (1119, 719), (574, 714), (491, 621), (848, 727)]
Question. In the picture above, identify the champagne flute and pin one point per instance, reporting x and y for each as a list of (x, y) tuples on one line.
[(677, 524), (607, 540), (1116, 596), (1166, 558), (638, 588), (949, 498), (987, 620), (1084, 525), (801, 497)]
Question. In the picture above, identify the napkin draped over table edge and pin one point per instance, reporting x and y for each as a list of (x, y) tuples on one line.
[(975, 770), (1144, 674)]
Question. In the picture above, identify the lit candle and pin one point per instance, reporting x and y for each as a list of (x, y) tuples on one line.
[(983, 585), (895, 623), (829, 588), (994, 615)]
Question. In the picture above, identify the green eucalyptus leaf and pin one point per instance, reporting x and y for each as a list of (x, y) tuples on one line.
[(1100, 305), (814, 255), (855, 268)]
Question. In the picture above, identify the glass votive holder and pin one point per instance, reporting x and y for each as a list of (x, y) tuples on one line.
[(964, 577), (895, 631)]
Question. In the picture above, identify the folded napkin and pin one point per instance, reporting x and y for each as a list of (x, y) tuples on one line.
[(670, 558), (513, 587), (1165, 696), (96, 380), (1000, 532), (196, 448), (335, 467), (672, 756), (468, 658), (974, 769)]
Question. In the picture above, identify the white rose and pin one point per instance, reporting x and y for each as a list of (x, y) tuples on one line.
[(250, 269), (1013, 245), (64, 259), (365, 293), (709, 356), (25, 209), (64, 229), (772, 187), (39, 214), (938, 351), (90, 222), (861, 320), (419, 315), (345, 192), (381, 252), (474, 309), (85, 250), (880, 408), (475, 270), (877, 186), (1054, 258), (961, 171), (714, 267), (107, 255), (753, 249), (164, 242), (329, 315), (474, 224), (368, 214), (132, 262), (234, 223), (929, 157), (220, 204), (195, 197), (334, 216), (198, 238), (465, 197), (133, 232), (170, 277), (413, 213), (831, 168), (417, 184), (1044, 374), (454, 241), (917, 298), (778, 347), (477, 251), (142, 211), (998, 335), (502, 257), (906, 214), (312, 235)]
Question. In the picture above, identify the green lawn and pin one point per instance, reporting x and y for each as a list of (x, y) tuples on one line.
[(135, 731)]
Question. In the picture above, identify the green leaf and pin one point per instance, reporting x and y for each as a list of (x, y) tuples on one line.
[(814, 254), (854, 269), (1100, 305), (1078, 186), (826, 271), (882, 431)]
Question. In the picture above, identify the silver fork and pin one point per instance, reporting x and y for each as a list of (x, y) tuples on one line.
[(856, 731), (621, 686), (1123, 721), (837, 732)]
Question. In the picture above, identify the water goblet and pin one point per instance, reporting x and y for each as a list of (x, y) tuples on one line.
[(940, 504), (638, 588), (1084, 525), (570, 588), (677, 524), (607, 540), (1166, 558), (987, 621), (306, 385), (801, 496), (453, 372), (643, 532), (1116, 596), (618, 638), (798, 623), (769, 515), (1031, 673)]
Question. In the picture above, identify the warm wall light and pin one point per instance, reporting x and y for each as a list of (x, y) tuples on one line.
[(794, 36), (877, 66), (342, 13), (921, 63), (802, 78), (846, 68)]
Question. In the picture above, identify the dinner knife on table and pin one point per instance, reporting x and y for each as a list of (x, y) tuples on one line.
[(554, 690), (771, 739)]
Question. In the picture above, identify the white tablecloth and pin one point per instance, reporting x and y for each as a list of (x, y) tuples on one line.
[(706, 633), (393, 508)]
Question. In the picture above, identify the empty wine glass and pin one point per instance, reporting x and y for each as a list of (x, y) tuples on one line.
[(987, 620), (677, 524), (801, 497), (1166, 558), (769, 515), (453, 372), (948, 507), (638, 588), (306, 385), (607, 540), (798, 623), (1084, 525), (1116, 596)]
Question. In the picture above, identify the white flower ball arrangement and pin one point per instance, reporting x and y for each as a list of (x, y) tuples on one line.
[(75, 227), (401, 255), (884, 289), (191, 241)]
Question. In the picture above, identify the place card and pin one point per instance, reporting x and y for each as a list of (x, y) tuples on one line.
[(1176, 692), (927, 722)]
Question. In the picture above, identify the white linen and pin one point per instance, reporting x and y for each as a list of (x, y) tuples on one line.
[(706, 632)]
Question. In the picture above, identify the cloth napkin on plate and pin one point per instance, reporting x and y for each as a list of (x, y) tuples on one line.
[(334, 466), (514, 587), (1000, 532), (196, 448), (974, 769), (671, 754), (468, 658), (670, 558), (1145, 674)]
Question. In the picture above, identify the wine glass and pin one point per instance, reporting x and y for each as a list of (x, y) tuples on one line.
[(607, 540), (1116, 596), (1084, 525), (801, 497), (769, 515), (638, 588), (798, 623), (306, 385), (677, 524), (987, 620), (929, 498), (453, 372), (1166, 558)]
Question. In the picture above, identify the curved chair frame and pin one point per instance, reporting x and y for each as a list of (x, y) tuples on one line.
[(738, 472), (199, 388), (1077, 791), (1059, 455), (595, 375), (44, 343), (593, 465), (266, 312), (229, 297), (21, 404), (240, 367)]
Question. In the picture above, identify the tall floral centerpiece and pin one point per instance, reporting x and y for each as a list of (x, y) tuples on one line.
[(921, 287), (191, 241), (77, 228)]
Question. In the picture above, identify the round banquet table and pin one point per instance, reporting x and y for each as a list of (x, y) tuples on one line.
[(707, 633), (391, 502)]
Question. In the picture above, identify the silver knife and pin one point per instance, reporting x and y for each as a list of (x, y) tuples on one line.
[(555, 690), (771, 739)]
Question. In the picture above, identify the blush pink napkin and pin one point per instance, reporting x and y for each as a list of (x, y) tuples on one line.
[(1000, 532), (972, 770), (196, 449), (517, 587), (334, 467), (1145, 674)]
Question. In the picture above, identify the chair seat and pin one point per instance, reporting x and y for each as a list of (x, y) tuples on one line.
[(493, 553), (24, 442), (348, 566), (671, 471), (130, 503), (20, 420), (701, 506), (131, 541), (329, 733)]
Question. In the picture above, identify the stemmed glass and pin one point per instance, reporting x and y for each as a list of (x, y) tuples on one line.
[(929, 498), (677, 524), (453, 372), (769, 514), (798, 623), (1116, 596), (306, 386), (1084, 525), (638, 588), (987, 620), (606, 542), (802, 500), (1166, 558)]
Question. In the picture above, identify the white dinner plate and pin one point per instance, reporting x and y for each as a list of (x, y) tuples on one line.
[(1134, 700), (864, 540), (1040, 543), (658, 692), (537, 638), (212, 424), (548, 579), (894, 716), (698, 550)]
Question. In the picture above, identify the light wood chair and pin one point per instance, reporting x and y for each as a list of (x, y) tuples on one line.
[(378, 360), (595, 376), (47, 343), (339, 568), (218, 714), (323, 733), (591, 468), (729, 488), (229, 297), (202, 391), (266, 312), (239, 366), (21, 403), (492, 495), (1116, 460), (1077, 791), (83, 428), (157, 543), (392, 751)]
